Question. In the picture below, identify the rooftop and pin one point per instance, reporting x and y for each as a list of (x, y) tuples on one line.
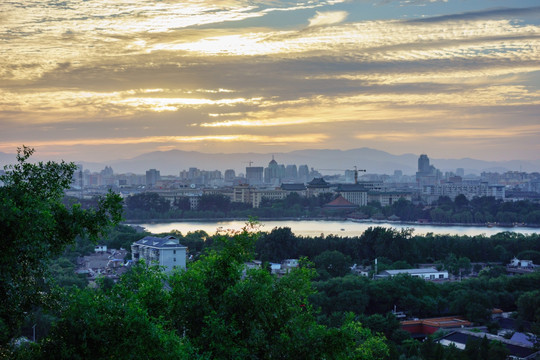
[(293, 187), (166, 242), (340, 202), (412, 271)]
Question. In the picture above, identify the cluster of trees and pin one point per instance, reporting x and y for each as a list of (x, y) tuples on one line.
[(474, 298), (212, 206), (479, 210), (401, 245)]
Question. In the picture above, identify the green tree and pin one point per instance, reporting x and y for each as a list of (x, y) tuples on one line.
[(277, 245), (214, 202), (36, 226), (332, 263), (230, 312), (148, 201), (182, 203), (125, 320)]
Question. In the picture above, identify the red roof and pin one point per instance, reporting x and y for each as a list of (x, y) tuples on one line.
[(340, 201)]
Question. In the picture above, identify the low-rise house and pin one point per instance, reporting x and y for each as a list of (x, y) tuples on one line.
[(524, 264), (284, 267), (518, 266), (426, 274), (100, 248), (102, 263), (166, 252)]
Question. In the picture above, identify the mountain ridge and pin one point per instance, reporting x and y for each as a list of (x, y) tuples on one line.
[(171, 162)]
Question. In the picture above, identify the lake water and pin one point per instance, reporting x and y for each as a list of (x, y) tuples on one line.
[(318, 227)]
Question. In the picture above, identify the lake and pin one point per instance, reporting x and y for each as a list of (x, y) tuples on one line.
[(317, 227)]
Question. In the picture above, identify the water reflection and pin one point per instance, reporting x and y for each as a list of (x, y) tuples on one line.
[(318, 227)]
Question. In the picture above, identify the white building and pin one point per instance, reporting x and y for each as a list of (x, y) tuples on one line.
[(431, 193), (426, 274), (166, 252)]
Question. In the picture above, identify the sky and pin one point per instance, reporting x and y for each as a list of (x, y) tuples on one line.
[(97, 80)]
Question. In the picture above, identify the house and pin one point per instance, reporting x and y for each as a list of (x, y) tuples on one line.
[(516, 350), (100, 248), (518, 266), (426, 274), (523, 264), (284, 267), (166, 252), (108, 263)]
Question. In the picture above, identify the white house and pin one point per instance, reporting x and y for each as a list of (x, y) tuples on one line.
[(426, 274), (517, 263), (166, 252), (100, 248)]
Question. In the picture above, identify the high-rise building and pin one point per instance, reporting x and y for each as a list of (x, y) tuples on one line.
[(291, 172), (254, 175), (272, 174), (152, 177), (427, 174), (303, 173), (423, 164), (230, 175)]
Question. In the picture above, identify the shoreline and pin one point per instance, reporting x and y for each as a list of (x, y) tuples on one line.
[(362, 221)]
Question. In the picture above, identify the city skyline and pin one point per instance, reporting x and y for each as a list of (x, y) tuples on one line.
[(95, 81)]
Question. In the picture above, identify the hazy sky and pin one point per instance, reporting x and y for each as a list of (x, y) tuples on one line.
[(97, 80)]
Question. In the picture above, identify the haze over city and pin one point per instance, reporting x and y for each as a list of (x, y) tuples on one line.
[(100, 80)]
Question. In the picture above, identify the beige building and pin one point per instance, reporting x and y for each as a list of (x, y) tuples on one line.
[(270, 194), (354, 193), (388, 198)]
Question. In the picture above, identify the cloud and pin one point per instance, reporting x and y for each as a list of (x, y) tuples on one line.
[(328, 18), (144, 69), (483, 14)]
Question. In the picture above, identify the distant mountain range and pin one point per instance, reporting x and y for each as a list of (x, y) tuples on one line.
[(374, 161)]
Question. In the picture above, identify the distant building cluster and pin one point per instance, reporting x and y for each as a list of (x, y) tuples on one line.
[(276, 181)]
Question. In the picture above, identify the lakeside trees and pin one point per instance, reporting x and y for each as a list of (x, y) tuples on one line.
[(479, 210)]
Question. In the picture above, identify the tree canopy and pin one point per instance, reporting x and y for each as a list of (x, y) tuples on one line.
[(36, 226)]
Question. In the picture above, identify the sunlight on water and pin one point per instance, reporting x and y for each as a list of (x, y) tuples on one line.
[(318, 227)]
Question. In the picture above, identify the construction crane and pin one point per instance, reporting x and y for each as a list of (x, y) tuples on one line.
[(356, 170), (247, 162)]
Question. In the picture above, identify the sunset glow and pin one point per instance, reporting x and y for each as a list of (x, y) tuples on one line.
[(138, 76)]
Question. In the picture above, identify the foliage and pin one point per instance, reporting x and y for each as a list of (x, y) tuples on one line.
[(147, 201), (36, 226), (332, 263), (230, 312), (114, 322)]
